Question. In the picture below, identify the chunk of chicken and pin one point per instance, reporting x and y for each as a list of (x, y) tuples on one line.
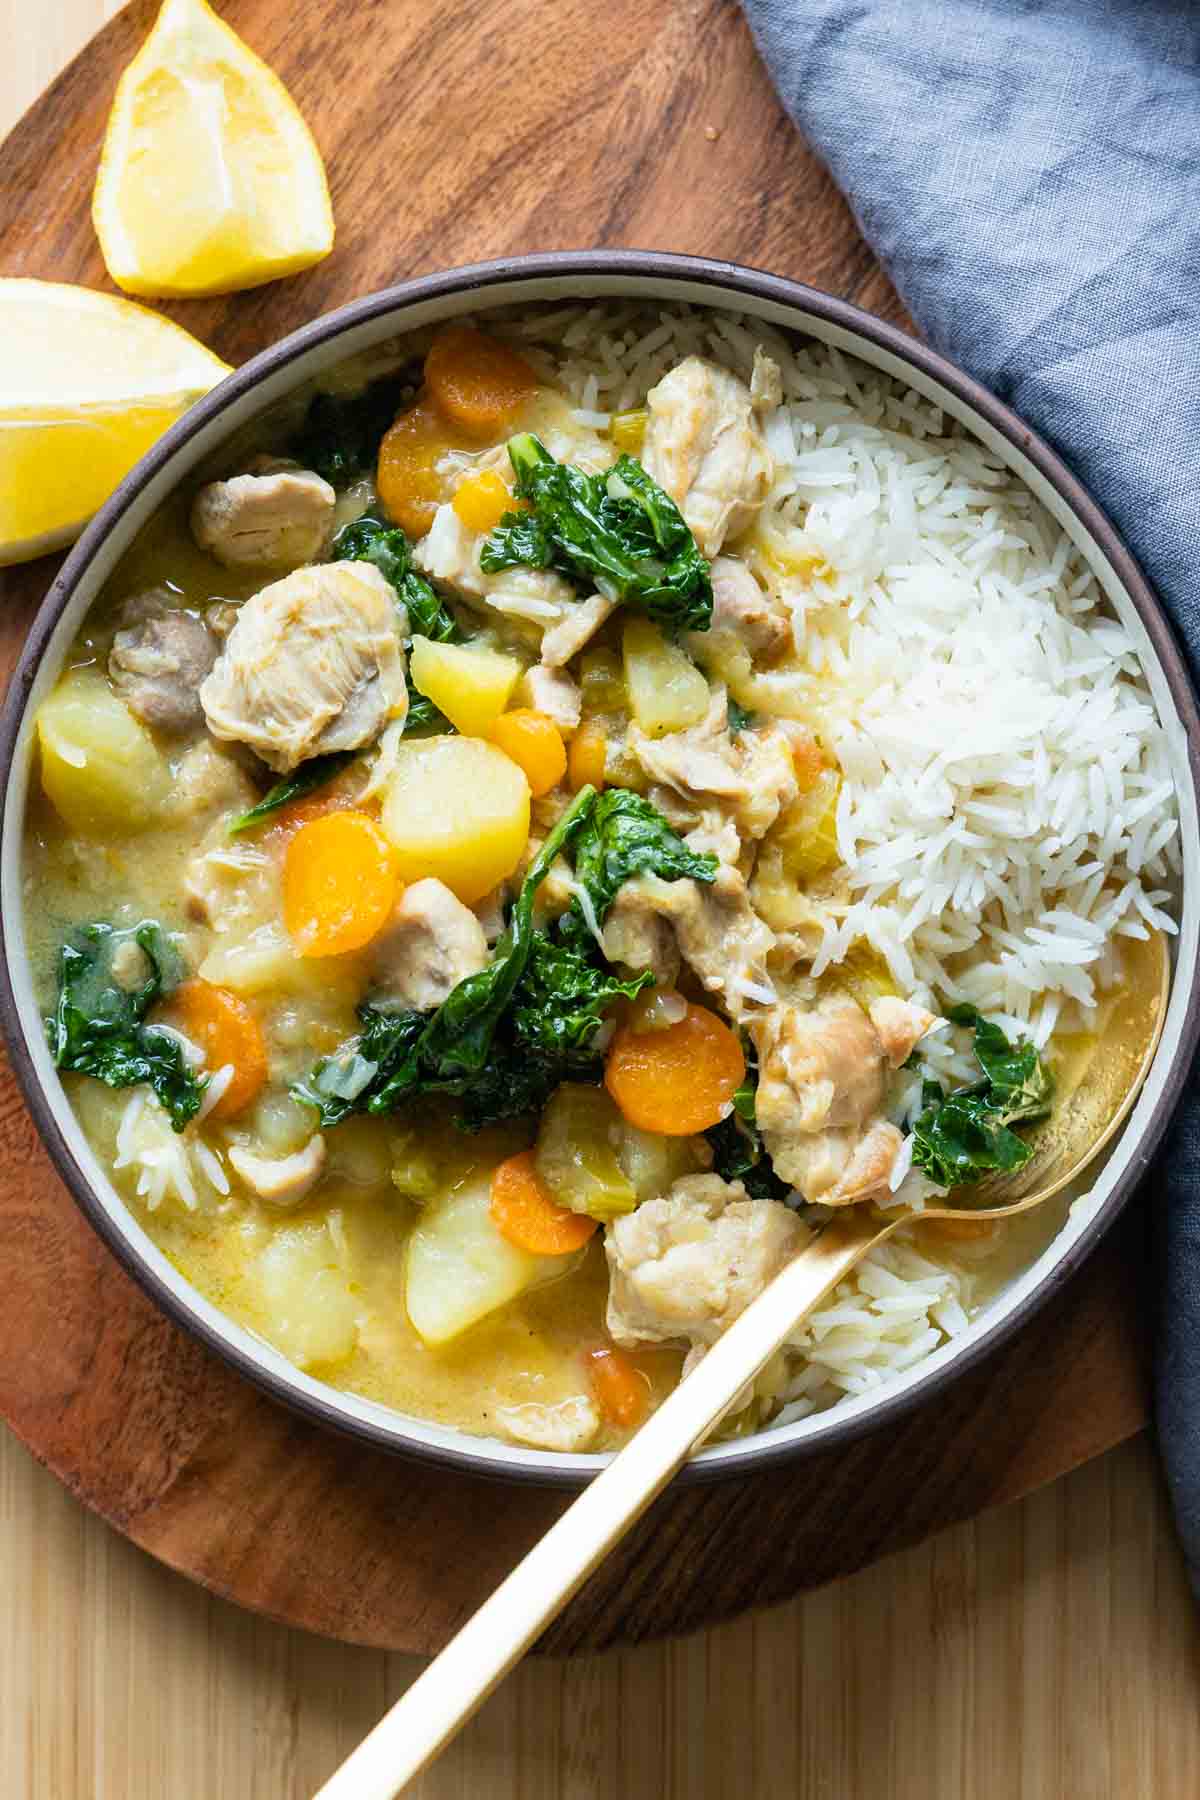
[(703, 445), (210, 780), (685, 1266), (741, 606), (159, 657), (229, 883), (449, 553), (570, 1425), (580, 622), (430, 944), (639, 935), (552, 692), (717, 930), (276, 520), (752, 776), (821, 1089), (313, 664), (281, 1180)]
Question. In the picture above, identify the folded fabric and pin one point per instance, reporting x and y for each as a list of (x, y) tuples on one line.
[(1028, 173)]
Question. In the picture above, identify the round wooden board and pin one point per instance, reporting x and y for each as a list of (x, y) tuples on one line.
[(456, 133)]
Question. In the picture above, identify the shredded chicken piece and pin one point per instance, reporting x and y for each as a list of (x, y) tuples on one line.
[(313, 664), (449, 554), (159, 657), (430, 944), (821, 1089), (741, 606), (703, 445), (638, 934), (228, 883), (579, 624), (752, 776), (570, 1425), (683, 1267), (210, 780), (552, 692), (718, 931), (130, 966), (269, 521), (281, 1180)]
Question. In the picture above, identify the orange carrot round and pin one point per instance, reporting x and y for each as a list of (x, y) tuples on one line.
[(535, 744), (407, 480), (587, 757), (339, 884), (482, 500), (477, 381), (230, 1036), (621, 1390), (677, 1081), (524, 1213)]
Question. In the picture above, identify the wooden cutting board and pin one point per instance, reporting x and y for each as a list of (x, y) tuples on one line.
[(455, 133)]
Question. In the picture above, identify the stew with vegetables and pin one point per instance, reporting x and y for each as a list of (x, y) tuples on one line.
[(441, 876)]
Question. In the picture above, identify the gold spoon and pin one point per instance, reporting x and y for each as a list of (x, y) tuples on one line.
[(1097, 1091)]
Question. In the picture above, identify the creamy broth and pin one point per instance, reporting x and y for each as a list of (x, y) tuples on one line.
[(324, 1278)]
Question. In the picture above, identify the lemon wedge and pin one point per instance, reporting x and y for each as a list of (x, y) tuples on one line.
[(209, 178), (87, 383)]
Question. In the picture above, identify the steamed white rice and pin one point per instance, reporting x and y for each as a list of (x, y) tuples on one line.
[(1008, 812)]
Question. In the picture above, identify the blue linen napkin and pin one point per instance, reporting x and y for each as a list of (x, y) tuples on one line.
[(1029, 173)]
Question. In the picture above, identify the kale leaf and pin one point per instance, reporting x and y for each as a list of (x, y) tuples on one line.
[(623, 837), (307, 778), (561, 999), (371, 539), (341, 433), (738, 717), (97, 1025), (617, 531), (501, 1042), (453, 1049), (963, 1136), (738, 1153)]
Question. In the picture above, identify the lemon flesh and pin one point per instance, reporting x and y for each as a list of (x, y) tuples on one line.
[(87, 383), (209, 178)]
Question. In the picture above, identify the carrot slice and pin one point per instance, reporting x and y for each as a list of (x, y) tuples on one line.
[(339, 884), (524, 1213), (588, 755), (407, 478), (621, 1390), (679, 1080), (535, 744), (229, 1035), (482, 500), (477, 381)]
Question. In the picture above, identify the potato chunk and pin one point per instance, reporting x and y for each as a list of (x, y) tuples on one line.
[(469, 683), (102, 770), (667, 692), (460, 1268), (308, 1310), (457, 809)]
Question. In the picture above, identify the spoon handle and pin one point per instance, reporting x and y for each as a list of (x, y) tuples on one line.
[(457, 1682)]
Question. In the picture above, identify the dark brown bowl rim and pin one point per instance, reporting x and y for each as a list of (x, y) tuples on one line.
[(731, 279)]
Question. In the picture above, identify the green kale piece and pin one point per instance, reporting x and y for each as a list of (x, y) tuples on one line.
[(503, 1039), (307, 778), (738, 1153), (561, 999), (616, 531), (623, 837), (341, 433), (962, 1136), (738, 717), (97, 1025), (371, 539)]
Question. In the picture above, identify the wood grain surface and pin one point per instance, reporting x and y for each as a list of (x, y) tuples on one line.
[(1048, 1649)]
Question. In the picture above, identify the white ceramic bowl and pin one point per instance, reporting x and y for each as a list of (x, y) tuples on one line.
[(571, 277)]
